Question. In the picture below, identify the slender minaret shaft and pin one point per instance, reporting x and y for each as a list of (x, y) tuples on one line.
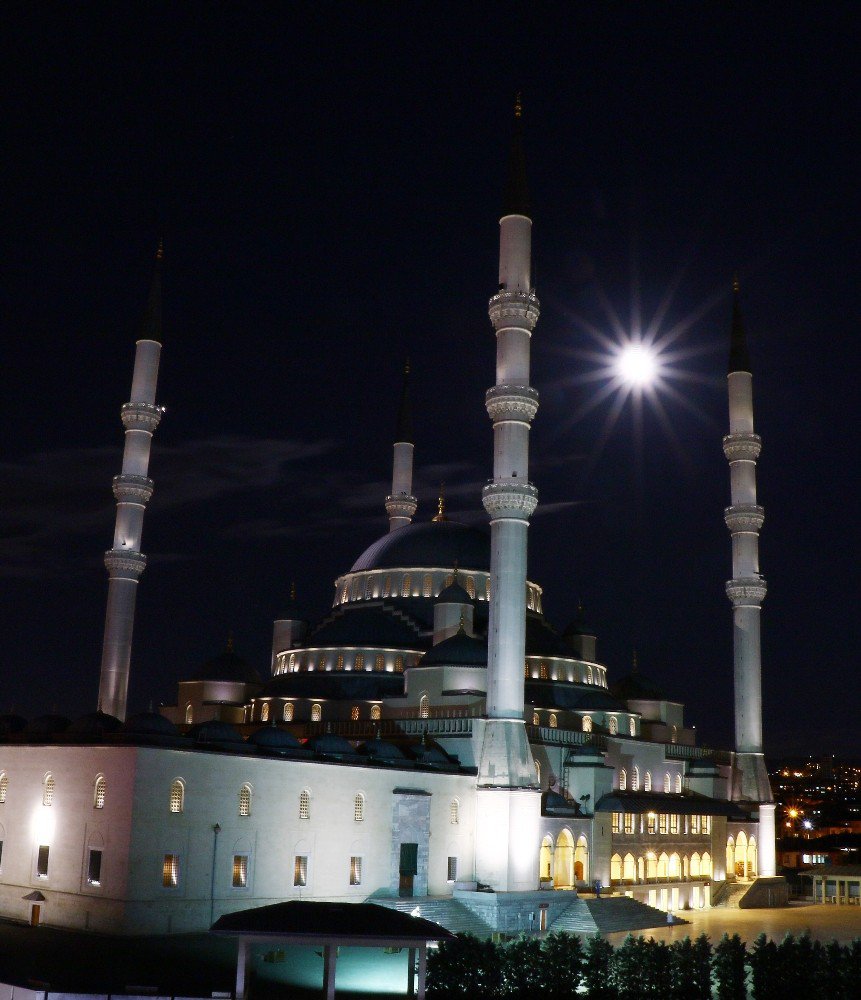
[(747, 588), (132, 488), (401, 505)]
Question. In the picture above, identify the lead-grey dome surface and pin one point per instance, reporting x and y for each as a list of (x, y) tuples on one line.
[(430, 543)]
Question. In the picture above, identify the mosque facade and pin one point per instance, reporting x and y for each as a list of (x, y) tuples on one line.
[(433, 737)]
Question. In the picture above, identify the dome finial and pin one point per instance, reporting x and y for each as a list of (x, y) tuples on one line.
[(159, 250), (230, 642), (440, 507), (634, 662), (461, 630), (518, 106), (739, 356), (293, 590)]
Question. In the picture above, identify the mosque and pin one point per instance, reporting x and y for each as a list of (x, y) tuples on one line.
[(432, 742)]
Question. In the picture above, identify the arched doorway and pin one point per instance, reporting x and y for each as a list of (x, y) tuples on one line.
[(751, 858), (581, 860), (740, 855), (629, 870), (545, 859), (563, 861), (616, 868)]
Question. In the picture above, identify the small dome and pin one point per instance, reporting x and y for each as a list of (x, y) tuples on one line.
[(457, 650), (329, 743), (47, 725), (273, 738), (149, 724), (11, 724), (95, 724), (382, 750), (636, 687), (454, 594), (227, 666), (215, 732)]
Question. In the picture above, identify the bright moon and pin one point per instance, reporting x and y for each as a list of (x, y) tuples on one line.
[(637, 365)]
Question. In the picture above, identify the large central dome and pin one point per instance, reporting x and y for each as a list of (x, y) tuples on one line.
[(432, 543)]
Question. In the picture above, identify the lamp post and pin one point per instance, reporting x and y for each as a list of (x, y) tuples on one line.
[(215, 832)]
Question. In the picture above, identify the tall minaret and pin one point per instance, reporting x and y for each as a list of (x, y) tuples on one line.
[(125, 562), (746, 590), (401, 505), (505, 762)]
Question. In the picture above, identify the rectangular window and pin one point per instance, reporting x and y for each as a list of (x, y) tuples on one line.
[(662, 823), (170, 871), (452, 869), (674, 824), (707, 824), (94, 867), (695, 824), (629, 822), (240, 871), (617, 822), (42, 861), (652, 823), (300, 869), (355, 871)]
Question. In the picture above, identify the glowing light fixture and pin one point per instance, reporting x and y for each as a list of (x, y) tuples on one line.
[(637, 364)]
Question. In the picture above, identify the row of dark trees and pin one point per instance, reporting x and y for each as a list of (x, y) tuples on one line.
[(564, 965)]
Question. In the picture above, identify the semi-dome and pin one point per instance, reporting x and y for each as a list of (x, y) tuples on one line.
[(459, 650), (273, 738), (430, 543)]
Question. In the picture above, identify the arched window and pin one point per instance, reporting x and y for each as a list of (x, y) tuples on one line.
[(100, 790), (530, 599), (695, 865), (616, 868), (613, 725), (543, 672), (674, 734), (4, 786), (587, 723), (405, 585), (427, 586), (635, 780), (292, 662), (663, 865), (387, 587), (449, 580), (48, 787), (399, 664), (264, 712), (304, 804), (454, 812), (647, 781), (189, 714), (360, 661), (176, 803), (470, 586), (674, 868), (288, 711), (590, 677), (369, 588), (678, 785), (424, 707), (667, 784), (375, 713), (379, 663), (321, 661), (632, 726), (354, 713), (316, 713), (706, 865), (359, 808), (245, 800), (339, 663), (623, 779), (554, 722), (536, 719), (629, 868)]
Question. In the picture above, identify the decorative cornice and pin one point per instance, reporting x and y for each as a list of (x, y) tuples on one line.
[(510, 500), (744, 517), (141, 416), (401, 505), (746, 591), (511, 402), (518, 309), (132, 489), (742, 447), (125, 563)]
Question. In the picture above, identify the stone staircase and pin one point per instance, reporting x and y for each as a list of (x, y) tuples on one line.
[(610, 914), (449, 913), (728, 896)]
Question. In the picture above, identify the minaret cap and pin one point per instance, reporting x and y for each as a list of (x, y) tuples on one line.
[(739, 357), (151, 323), (440, 507), (516, 200), (404, 431)]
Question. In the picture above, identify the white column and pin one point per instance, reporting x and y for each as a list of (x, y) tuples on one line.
[(241, 963), (330, 959)]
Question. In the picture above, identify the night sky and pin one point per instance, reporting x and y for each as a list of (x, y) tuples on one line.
[(328, 181)]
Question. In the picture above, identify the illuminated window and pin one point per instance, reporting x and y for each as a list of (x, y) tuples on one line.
[(240, 871), (387, 587), (617, 823), (292, 662), (48, 787), (300, 869), (424, 707), (99, 792), (537, 771), (543, 672), (554, 722), (321, 661), (288, 711), (177, 796), (635, 780), (405, 585), (316, 713), (245, 800), (4, 787), (449, 580), (379, 662), (94, 867), (375, 713), (452, 870), (706, 865), (399, 664), (674, 735), (42, 861), (359, 807), (304, 804), (427, 586), (651, 823), (623, 779), (369, 588), (674, 823), (666, 784), (678, 785), (354, 713), (488, 588), (264, 712), (647, 781), (613, 725), (695, 824), (355, 871), (339, 663), (587, 723), (707, 824), (360, 662), (629, 822), (170, 871), (536, 719), (632, 726), (663, 823), (454, 812), (470, 586), (590, 677), (530, 599), (189, 714)]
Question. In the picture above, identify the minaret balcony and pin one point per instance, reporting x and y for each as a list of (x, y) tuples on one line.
[(511, 402), (132, 489), (125, 563), (746, 591), (742, 447), (401, 505), (141, 416), (744, 517), (518, 309), (510, 499)]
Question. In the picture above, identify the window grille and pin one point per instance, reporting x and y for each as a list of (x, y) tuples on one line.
[(170, 871), (424, 707), (375, 713), (647, 782), (399, 664), (632, 726), (339, 663), (177, 796), (452, 870), (245, 800), (304, 804), (427, 586), (629, 822), (536, 719), (617, 823), (405, 585), (554, 722), (470, 586), (635, 780), (355, 871), (4, 786), (288, 711), (587, 723), (100, 792), (316, 713), (543, 672), (359, 807), (42, 861), (94, 867), (613, 725), (48, 790), (678, 785), (623, 779), (360, 661), (379, 662), (264, 712), (300, 869), (240, 871), (354, 713), (454, 811)]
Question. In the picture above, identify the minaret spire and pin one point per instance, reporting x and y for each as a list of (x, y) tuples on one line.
[(132, 488), (746, 590), (506, 773), (401, 505)]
